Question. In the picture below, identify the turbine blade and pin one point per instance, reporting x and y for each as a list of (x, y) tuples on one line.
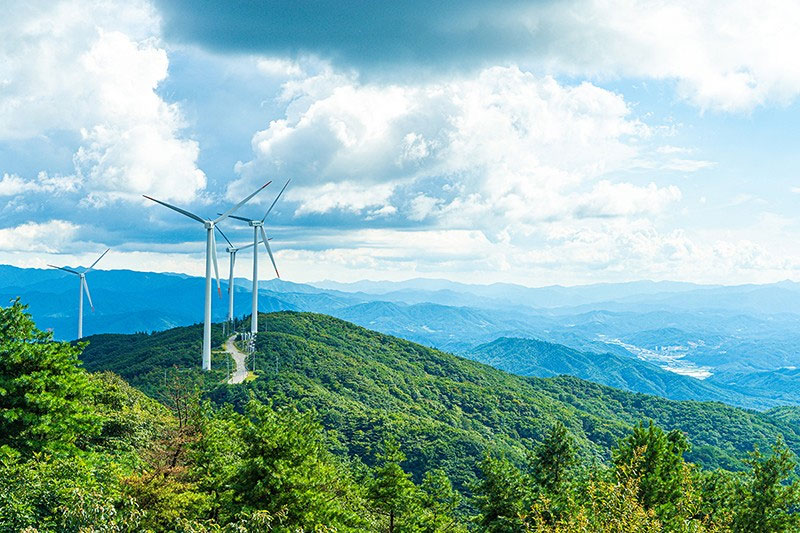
[(178, 209), (224, 237), (230, 211), (65, 269), (86, 286), (276, 201), (98, 259), (237, 217), (266, 244), (214, 260)]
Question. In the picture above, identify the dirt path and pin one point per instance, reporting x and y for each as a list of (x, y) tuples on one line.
[(240, 374)]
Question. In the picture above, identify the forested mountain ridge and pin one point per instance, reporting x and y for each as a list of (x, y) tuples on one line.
[(740, 354), (368, 386), (86, 452), (532, 357)]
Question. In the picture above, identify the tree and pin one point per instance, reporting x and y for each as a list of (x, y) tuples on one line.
[(45, 397), (391, 491), (287, 470), (439, 502), (764, 502), (499, 495), (553, 459), (551, 464), (656, 459)]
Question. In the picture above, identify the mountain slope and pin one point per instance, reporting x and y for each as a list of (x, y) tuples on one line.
[(145, 359), (783, 384), (531, 357), (445, 410)]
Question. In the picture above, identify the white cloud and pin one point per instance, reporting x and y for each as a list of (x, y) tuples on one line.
[(12, 184), (278, 67), (729, 58), (421, 207), (670, 149), (687, 165), (502, 147), (50, 236), (93, 67), (624, 199), (348, 196)]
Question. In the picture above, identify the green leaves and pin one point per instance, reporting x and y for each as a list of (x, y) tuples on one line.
[(765, 501), (655, 460), (44, 394)]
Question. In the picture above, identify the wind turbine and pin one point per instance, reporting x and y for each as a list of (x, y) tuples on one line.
[(83, 285), (211, 257), (231, 249), (258, 225)]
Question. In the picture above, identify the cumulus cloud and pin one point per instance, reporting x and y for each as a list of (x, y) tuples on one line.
[(502, 147), (93, 67), (730, 59), (49, 237), (13, 185), (624, 199), (346, 195)]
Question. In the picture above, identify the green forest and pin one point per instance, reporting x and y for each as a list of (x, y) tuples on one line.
[(344, 429)]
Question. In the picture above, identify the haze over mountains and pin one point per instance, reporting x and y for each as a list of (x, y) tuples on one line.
[(742, 342)]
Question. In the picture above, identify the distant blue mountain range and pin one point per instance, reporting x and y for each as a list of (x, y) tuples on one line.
[(745, 340)]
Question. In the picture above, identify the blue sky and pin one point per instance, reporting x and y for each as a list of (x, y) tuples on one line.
[(533, 142)]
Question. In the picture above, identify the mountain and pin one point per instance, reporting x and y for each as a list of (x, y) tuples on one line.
[(512, 294), (445, 327), (145, 360), (125, 301), (782, 384), (707, 332), (445, 410), (531, 357)]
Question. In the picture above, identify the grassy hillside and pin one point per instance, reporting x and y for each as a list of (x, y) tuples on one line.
[(445, 410)]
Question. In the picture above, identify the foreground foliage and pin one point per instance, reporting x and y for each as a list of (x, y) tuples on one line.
[(125, 462)]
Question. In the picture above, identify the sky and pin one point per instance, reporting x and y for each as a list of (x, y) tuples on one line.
[(539, 143)]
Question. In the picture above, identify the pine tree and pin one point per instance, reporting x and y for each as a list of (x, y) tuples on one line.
[(45, 396), (499, 495), (391, 491), (657, 459), (286, 469), (439, 503), (553, 459), (764, 502)]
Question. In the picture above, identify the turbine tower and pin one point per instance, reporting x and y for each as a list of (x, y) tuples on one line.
[(258, 225), (211, 257), (83, 286)]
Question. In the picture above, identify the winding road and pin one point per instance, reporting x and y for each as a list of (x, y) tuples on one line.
[(240, 374)]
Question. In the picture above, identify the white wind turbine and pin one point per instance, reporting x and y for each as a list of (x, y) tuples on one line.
[(258, 225), (83, 286), (231, 249), (211, 257)]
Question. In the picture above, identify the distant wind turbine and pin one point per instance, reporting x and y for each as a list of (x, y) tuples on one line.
[(258, 225), (231, 249), (211, 256), (83, 286)]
